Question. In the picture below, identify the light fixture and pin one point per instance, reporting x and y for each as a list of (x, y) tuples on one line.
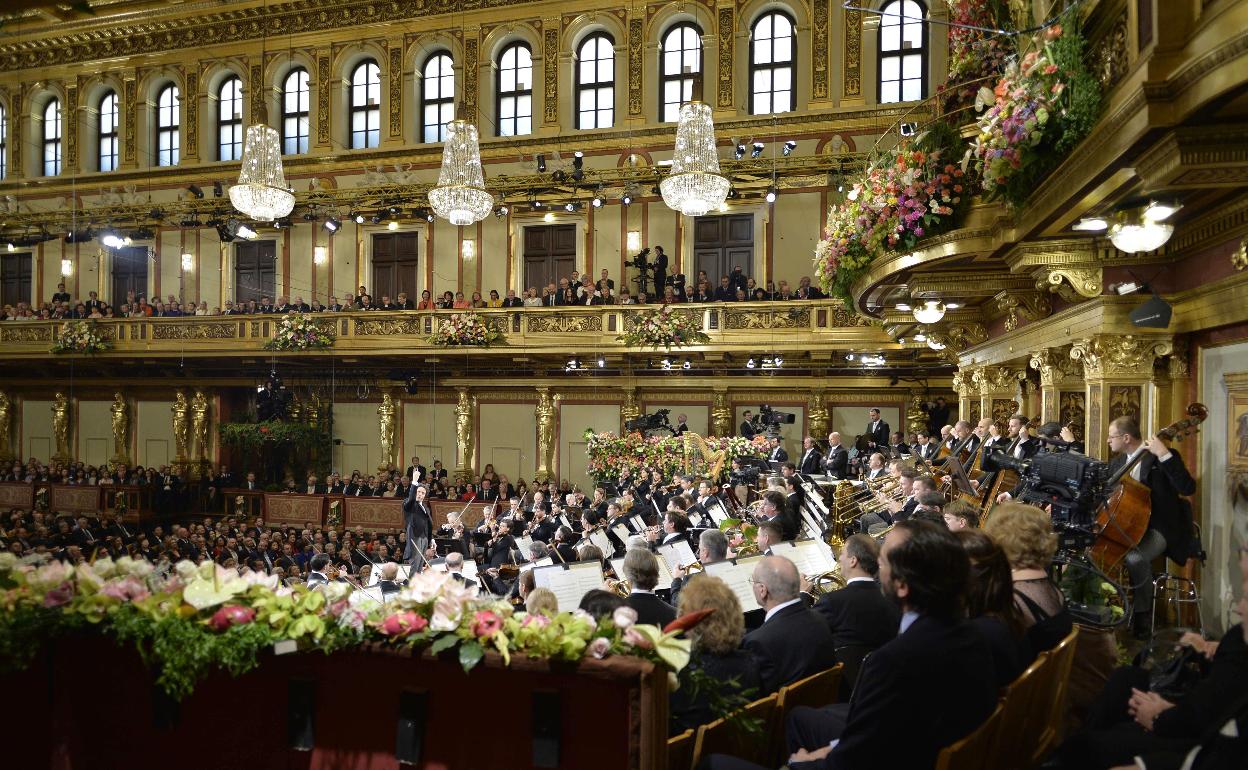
[(932, 311), (392, 225), (217, 190), (789, 147), (572, 365), (597, 201), (262, 192), (429, 217), (952, 306), (359, 218), (1135, 231), (1160, 211), (320, 255), (750, 364), (687, 364), (115, 240), (11, 247), (541, 164), (738, 152), (873, 360), (195, 190), (245, 231), (666, 364), (920, 337), (849, 356), (695, 185), (756, 149), (460, 197), (908, 129), (468, 248), (771, 195), (501, 211), (903, 307), (602, 362), (569, 206), (934, 345), (1090, 225), (549, 217), (627, 198), (1129, 287), (536, 205), (188, 262), (331, 225), (67, 268), (632, 241)]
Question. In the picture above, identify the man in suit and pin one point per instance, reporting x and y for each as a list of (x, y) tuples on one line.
[(418, 523), (793, 642), (388, 581), (312, 487), (660, 270), (423, 474), (777, 454), (747, 425), (512, 300), (925, 448), (455, 566), (641, 569), (898, 445), (319, 570), (1170, 530), (681, 425), (811, 459), (836, 461), (877, 430), (859, 614), (875, 466)]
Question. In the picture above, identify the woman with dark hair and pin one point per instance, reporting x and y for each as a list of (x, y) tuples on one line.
[(990, 605), (600, 603)]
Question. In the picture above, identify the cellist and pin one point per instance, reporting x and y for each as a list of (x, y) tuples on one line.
[(1170, 528)]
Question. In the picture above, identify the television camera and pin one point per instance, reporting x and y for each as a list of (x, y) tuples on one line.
[(272, 399), (644, 267), (769, 420), (651, 424), (1072, 486)]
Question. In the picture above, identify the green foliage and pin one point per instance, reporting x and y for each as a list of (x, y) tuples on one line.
[(726, 699), (24, 629), (1083, 92), (257, 436)]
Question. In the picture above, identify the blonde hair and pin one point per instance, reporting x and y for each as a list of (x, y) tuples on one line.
[(1025, 533), (720, 633), (541, 600)]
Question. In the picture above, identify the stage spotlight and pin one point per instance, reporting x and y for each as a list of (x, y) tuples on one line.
[(578, 174), (627, 199), (750, 364), (909, 129), (558, 176), (245, 232), (393, 211), (789, 147), (666, 364), (771, 195), (597, 201), (602, 362), (756, 150), (501, 211), (196, 191), (687, 364), (733, 194), (375, 219), (541, 164), (536, 205), (282, 224), (309, 216), (569, 206), (113, 239), (358, 217), (578, 159), (738, 152), (217, 190), (392, 225), (429, 217)]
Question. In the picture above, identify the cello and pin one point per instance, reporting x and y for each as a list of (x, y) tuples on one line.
[(1123, 519)]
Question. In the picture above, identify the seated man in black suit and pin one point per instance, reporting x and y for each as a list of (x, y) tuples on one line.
[(389, 582), (793, 642), (641, 569), (859, 614), (935, 667)]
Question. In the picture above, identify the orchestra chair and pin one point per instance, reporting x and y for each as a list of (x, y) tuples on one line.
[(724, 737), (1054, 696), (680, 751), (1022, 716), (816, 691), (851, 658), (975, 751)]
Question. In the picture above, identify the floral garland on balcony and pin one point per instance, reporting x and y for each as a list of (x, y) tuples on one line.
[(297, 331), (206, 617), (466, 330), (910, 193), (664, 329), (974, 54), (609, 454), (1039, 110), (255, 436), (80, 337)]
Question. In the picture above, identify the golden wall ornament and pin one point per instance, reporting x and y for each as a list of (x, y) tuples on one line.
[(767, 319), (1178, 366), (550, 69), (1072, 410), (60, 428), (15, 129), (563, 324), (721, 414), (471, 44), (964, 383), (818, 418), (190, 103), (636, 50), (71, 128), (180, 412), (257, 94), (396, 92), (630, 409), (1125, 401), (6, 427), (24, 333), (129, 108), (1239, 260), (726, 52), (853, 53), (208, 330), (200, 420), (324, 89), (1120, 355), (387, 425), (1030, 306), (1073, 284), (1054, 365), (388, 327), (545, 413), (819, 50), (997, 379), (916, 415), (120, 412), (465, 406)]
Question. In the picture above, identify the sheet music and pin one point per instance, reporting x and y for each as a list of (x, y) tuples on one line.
[(718, 512), (676, 554), (545, 561), (569, 582), (618, 566), (523, 544), (600, 538), (639, 524), (736, 574), (665, 577), (812, 557), (622, 532)]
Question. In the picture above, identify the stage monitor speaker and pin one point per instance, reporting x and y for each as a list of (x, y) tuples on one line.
[(1154, 313)]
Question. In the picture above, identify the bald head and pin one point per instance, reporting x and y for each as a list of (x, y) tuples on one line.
[(389, 571), (454, 561), (775, 581)]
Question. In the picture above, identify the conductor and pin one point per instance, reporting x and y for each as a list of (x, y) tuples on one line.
[(419, 524)]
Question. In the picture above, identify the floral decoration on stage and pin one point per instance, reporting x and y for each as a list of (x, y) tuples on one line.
[(1039, 110), (466, 330), (80, 337), (609, 454), (914, 191), (975, 54), (663, 328), (196, 619), (297, 331)]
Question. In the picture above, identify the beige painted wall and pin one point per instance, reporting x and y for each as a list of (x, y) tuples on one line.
[(573, 420), (429, 433), (852, 420), (37, 440), (798, 220), (355, 425), (507, 437), (95, 432), (152, 427)]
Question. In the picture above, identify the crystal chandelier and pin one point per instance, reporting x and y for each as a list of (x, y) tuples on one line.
[(695, 185), (460, 197), (262, 193)]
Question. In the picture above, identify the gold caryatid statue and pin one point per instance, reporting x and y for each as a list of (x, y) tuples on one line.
[(817, 415), (721, 415), (463, 436), (199, 425), (60, 427), (121, 430), (181, 426), (630, 410), (386, 425), (6, 423), (545, 433)]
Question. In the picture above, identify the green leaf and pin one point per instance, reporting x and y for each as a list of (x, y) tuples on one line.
[(443, 643), (312, 602), (470, 654)]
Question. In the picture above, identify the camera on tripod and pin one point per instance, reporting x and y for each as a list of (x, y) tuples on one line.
[(1071, 484), (770, 418), (639, 261)]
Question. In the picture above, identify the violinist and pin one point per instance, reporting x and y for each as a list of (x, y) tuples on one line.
[(499, 548), (1170, 530), (564, 552), (542, 528)]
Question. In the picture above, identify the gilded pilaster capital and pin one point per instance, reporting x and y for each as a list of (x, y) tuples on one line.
[(1073, 284), (965, 384), (1054, 366), (1120, 355), (997, 379), (1028, 305), (1178, 363)]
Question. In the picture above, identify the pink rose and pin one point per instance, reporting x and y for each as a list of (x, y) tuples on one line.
[(127, 590), (231, 615), (536, 619), (486, 623), (402, 624), (58, 596), (600, 647), (634, 639), (624, 617)]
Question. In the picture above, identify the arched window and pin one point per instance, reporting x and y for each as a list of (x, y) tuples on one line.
[(168, 120), (772, 45), (230, 120), (680, 50), (437, 97), (365, 105), (595, 82), (903, 51), (4, 142), (295, 112), (52, 138), (515, 90), (108, 132)]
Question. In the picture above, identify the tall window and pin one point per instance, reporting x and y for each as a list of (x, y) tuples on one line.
[(108, 132), (168, 119), (365, 105), (295, 112), (515, 90), (4, 142), (437, 97), (771, 64), (595, 82), (230, 120), (681, 50), (52, 138), (903, 58)]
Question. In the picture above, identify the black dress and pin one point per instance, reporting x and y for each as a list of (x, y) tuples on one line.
[(690, 706)]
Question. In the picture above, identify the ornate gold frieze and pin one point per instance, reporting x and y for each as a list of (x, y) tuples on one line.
[(964, 383), (1109, 57), (15, 129), (550, 68), (996, 379), (853, 53), (1111, 355), (190, 102), (471, 49), (726, 50), (636, 48), (396, 92), (1072, 284), (324, 89), (1054, 365), (1177, 364), (130, 107), (71, 128), (387, 327), (562, 324), (819, 50), (767, 319), (258, 111), (25, 333), (1031, 306), (196, 331)]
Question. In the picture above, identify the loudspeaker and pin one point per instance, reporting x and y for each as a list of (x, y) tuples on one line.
[(1154, 313)]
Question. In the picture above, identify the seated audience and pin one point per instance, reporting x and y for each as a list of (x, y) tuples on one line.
[(1025, 534)]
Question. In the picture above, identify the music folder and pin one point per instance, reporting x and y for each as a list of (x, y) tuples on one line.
[(569, 582), (736, 573), (600, 538), (677, 554), (812, 557)]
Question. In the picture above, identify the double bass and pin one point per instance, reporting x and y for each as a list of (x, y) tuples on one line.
[(1123, 519)]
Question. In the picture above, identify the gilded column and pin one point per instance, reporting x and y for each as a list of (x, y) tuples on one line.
[(721, 415), (180, 418), (464, 409), (724, 90), (965, 386), (546, 410), (636, 50), (1180, 381), (1118, 374), (999, 395), (630, 409), (324, 91), (395, 71), (1056, 369), (6, 426), (550, 72), (201, 423), (71, 129), (817, 415), (386, 428), (60, 428), (121, 430)]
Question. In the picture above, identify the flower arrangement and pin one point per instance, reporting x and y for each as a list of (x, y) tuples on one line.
[(466, 329), (253, 436), (663, 328), (912, 192), (974, 55), (199, 618), (609, 454), (297, 331), (1038, 111), (80, 337)]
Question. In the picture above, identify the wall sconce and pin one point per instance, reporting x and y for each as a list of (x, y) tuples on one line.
[(320, 255), (188, 262), (67, 267), (633, 241), (468, 249)]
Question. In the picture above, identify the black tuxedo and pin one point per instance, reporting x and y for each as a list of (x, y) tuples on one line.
[(680, 428), (651, 610), (927, 451), (500, 552), (424, 472), (859, 614), (513, 302), (900, 449), (778, 455), (1172, 515), (747, 429), (795, 643), (877, 473), (836, 462), (811, 459), (316, 579), (544, 531), (318, 489), (878, 434), (419, 525)]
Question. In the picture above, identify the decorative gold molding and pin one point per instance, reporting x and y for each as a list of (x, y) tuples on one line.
[(130, 107), (726, 52), (853, 53), (1119, 355), (721, 414), (819, 49), (1070, 283), (1239, 260), (471, 48), (817, 415), (550, 66), (1030, 305), (546, 414), (636, 47), (1054, 365), (396, 92), (1177, 365), (562, 324), (190, 103), (996, 379), (324, 89), (71, 129), (767, 319)]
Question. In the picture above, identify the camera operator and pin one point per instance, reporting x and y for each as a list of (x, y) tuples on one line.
[(748, 430), (660, 269)]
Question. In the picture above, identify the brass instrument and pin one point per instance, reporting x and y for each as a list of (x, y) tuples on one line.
[(825, 582), (621, 588)]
